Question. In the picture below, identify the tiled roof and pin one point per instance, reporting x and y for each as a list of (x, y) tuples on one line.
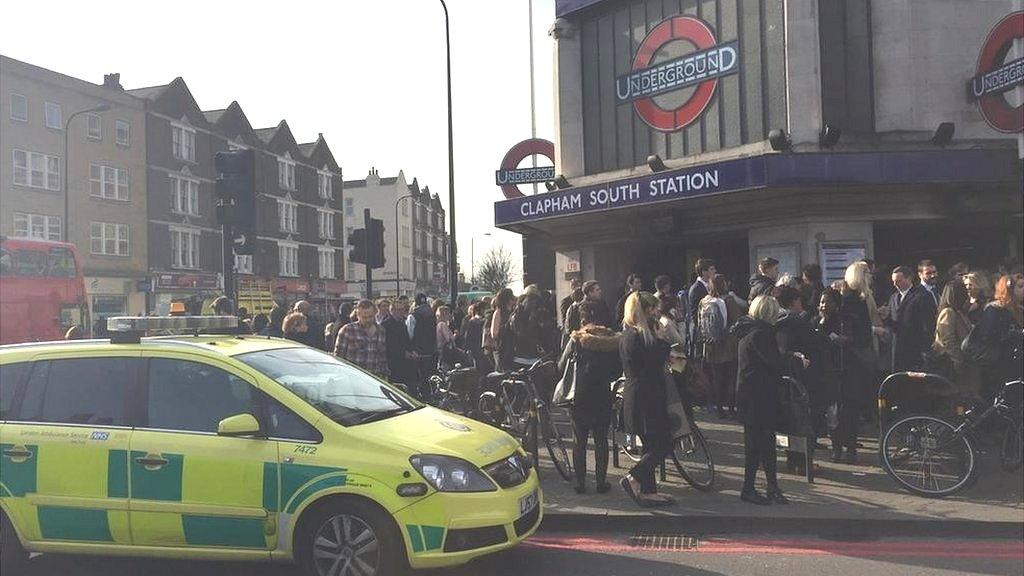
[(307, 148), (212, 116), (388, 180), (355, 183), (148, 92), (265, 134)]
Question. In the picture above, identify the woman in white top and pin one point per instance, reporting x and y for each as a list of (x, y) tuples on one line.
[(714, 345)]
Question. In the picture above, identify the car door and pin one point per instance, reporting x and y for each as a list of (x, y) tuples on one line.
[(63, 459), (191, 487)]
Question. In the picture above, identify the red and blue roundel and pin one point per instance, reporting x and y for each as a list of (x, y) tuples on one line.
[(994, 76), (701, 68)]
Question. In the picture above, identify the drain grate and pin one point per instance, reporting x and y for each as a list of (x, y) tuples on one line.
[(664, 541)]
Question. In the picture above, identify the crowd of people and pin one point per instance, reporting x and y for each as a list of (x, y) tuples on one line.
[(720, 346)]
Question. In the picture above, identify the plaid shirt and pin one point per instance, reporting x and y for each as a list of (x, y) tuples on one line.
[(368, 351)]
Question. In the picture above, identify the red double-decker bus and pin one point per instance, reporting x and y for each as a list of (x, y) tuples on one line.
[(42, 291)]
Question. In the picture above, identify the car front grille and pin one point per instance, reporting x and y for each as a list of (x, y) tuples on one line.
[(459, 540), (527, 521)]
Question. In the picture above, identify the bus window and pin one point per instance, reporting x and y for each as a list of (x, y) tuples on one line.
[(61, 263), (6, 263), (29, 263)]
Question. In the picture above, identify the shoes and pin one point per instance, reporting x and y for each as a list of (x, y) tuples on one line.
[(603, 487), (851, 456), (754, 498), (632, 491), (776, 496), (580, 488)]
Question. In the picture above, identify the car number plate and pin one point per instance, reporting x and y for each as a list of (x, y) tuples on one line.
[(526, 503)]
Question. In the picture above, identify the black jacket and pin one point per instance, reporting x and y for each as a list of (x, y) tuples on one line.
[(913, 325), (597, 365), (403, 369), (697, 293), (760, 370), (759, 285), (998, 332), (424, 336), (644, 399), (528, 328), (314, 334)]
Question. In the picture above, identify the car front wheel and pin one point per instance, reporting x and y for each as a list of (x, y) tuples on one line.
[(350, 538)]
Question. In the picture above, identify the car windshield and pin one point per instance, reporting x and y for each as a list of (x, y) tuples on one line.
[(344, 393)]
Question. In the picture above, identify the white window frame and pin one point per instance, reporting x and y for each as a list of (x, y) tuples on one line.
[(326, 261), (243, 263), (404, 203), (288, 216), (24, 100), (25, 224), (287, 265), (183, 142), (89, 119), (110, 233), (47, 106), (405, 236), (324, 186), (120, 124), (111, 183), (325, 220), (286, 173), (350, 206), (188, 259), (49, 178), (187, 203)]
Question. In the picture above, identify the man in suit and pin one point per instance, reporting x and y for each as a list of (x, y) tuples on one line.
[(705, 269), (912, 320), (928, 273), (401, 360)]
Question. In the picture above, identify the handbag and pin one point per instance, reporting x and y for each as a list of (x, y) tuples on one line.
[(565, 390)]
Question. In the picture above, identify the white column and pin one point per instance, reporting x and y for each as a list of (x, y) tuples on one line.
[(568, 95), (803, 71)]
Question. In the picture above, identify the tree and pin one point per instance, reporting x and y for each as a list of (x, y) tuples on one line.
[(497, 270)]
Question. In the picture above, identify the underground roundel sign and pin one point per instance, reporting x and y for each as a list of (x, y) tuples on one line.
[(698, 72), (995, 76), (509, 176)]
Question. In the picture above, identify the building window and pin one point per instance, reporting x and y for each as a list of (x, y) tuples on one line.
[(185, 196), (324, 184), (350, 207), (94, 127), (54, 115), (19, 108), (326, 262), (286, 174), (243, 263), (405, 207), (109, 239), (326, 219), (36, 170), (108, 182), (183, 142), (185, 247), (287, 214), (38, 226), (405, 267), (124, 132), (288, 259), (405, 236)]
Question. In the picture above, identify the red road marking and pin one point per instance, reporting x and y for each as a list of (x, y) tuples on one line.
[(803, 547)]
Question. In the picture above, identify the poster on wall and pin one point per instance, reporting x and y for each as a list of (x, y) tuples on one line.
[(834, 259), (788, 256)]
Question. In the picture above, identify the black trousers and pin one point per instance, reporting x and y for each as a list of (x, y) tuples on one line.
[(759, 450), (725, 385), (853, 393), (590, 421), (656, 448)]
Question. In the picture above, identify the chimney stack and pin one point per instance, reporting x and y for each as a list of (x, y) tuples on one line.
[(113, 81)]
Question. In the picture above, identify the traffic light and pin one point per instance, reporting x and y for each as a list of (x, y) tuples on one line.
[(357, 246), (236, 194), (376, 238)]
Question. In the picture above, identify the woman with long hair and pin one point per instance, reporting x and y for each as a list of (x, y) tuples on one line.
[(718, 349), (951, 329), (645, 402), (998, 331), (979, 288), (858, 358), (499, 339)]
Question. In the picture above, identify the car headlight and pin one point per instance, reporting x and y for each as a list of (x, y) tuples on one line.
[(450, 474)]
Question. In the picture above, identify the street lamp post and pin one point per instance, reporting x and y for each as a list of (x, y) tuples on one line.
[(67, 192), (453, 279), (398, 268)]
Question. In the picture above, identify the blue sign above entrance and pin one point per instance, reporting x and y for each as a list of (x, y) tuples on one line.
[(772, 170), (649, 189)]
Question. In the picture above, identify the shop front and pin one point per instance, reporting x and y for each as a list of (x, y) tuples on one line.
[(738, 130), (113, 296), (193, 289)]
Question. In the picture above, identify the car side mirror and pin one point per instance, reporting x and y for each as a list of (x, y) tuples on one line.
[(239, 425)]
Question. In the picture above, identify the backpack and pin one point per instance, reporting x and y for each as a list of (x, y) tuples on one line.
[(711, 323)]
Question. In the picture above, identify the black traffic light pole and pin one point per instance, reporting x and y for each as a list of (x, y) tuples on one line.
[(367, 252), (228, 234), (235, 188)]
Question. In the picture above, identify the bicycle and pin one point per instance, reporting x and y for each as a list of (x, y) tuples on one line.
[(690, 453), (933, 457), (454, 390), (516, 407)]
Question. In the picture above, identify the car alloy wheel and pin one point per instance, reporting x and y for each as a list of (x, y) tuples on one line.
[(346, 546)]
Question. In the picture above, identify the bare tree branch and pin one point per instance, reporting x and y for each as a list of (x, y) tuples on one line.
[(497, 270)]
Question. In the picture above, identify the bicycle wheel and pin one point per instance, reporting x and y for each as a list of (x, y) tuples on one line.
[(927, 456), (1011, 456), (621, 441), (555, 445), (692, 457)]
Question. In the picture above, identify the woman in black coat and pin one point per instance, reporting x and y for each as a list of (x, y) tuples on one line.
[(858, 359), (644, 399), (761, 367)]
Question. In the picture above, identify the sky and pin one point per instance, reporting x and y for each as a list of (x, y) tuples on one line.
[(370, 75)]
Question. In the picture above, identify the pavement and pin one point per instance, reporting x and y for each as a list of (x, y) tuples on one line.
[(843, 497)]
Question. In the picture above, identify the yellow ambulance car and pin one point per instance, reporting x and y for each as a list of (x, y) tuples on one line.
[(243, 448)]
